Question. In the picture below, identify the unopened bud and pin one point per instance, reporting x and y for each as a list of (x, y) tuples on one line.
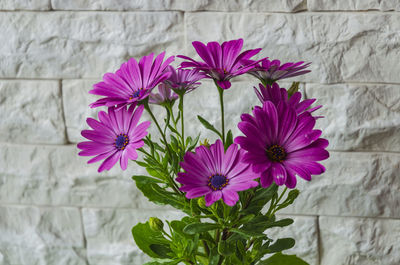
[(156, 224), (205, 143), (202, 203)]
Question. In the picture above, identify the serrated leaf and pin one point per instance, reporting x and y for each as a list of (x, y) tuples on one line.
[(194, 228), (208, 125)]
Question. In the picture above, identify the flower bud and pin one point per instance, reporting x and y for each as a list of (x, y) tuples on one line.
[(206, 143), (156, 224), (202, 203)]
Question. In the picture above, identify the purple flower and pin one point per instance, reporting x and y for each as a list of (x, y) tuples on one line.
[(270, 71), (132, 82), (115, 137), (164, 95), (281, 145), (216, 174), (275, 94), (222, 62), (184, 80)]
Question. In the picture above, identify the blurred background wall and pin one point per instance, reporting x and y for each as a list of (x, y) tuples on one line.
[(56, 209)]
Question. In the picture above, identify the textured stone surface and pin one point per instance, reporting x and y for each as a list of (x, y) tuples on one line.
[(304, 231), (49, 175), (25, 5), (184, 5), (354, 184), (359, 117), (31, 112), (360, 47), (39, 236), (109, 240), (82, 44), (356, 241), (384, 5), (76, 105)]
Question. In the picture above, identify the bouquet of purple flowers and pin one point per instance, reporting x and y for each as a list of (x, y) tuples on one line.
[(229, 190)]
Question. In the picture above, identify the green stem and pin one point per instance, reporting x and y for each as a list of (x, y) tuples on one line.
[(182, 120), (221, 102), (206, 248), (147, 108)]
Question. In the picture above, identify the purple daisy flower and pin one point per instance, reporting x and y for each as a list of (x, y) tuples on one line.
[(222, 62), (216, 174), (275, 94), (271, 71), (115, 137), (184, 80), (281, 145), (132, 82), (165, 94)]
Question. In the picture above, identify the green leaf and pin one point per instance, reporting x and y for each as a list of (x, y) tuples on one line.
[(260, 199), (162, 251), (282, 259), (214, 257), (240, 250), (194, 228), (208, 125), (225, 248), (281, 244), (145, 237), (246, 233), (289, 200), (281, 223), (228, 140), (150, 188), (293, 88)]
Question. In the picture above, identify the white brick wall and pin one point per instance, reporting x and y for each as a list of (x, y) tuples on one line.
[(57, 210)]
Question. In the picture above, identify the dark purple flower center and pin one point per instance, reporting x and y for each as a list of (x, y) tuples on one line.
[(217, 182), (136, 94), (276, 153), (121, 141)]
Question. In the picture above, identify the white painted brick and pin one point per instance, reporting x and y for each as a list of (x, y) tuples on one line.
[(356, 241), (385, 5), (184, 5), (354, 184), (304, 230), (360, 47), (36, 236), (82, 44), (359, 117), (109, 237), (49, 175), (25, 5), (31, 112)]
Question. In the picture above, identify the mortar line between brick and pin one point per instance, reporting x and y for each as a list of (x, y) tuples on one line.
[(63, 111), (174, 210), (84, 235), (300, 12), (71, 144), (319, 241), (94, 79)]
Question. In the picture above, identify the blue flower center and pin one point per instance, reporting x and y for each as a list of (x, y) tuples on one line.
[(276, 153), (217, 182), (121, 141), (136, 94)]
